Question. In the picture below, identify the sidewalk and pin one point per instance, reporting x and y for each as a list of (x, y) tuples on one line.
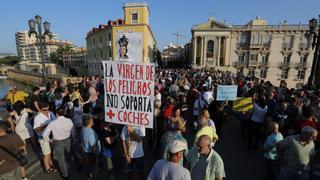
[(34, 165)]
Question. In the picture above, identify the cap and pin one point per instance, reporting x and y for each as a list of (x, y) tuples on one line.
[(177, 146)]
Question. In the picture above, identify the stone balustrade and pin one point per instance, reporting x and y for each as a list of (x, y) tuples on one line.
[(35, 79)]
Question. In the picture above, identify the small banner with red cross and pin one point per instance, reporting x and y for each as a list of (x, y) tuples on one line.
[(129, 93)]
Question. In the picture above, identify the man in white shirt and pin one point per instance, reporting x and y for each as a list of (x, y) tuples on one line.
[(171, 169), (61, 130), (41, 121), (132, 138)]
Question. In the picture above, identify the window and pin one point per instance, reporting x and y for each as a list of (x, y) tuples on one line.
[(253, 57), (285, 74), (288, 41), (94, 55), (240, 70), (210, 49), (286, 60), (303, 60), (243, 38), (100, 54), (251, 73), (267, 40), (93, 41), (301, 74), (100, 39), (134, 18), (256, 39), (109, 36), (241, 58), (263, 73), (265, 59)]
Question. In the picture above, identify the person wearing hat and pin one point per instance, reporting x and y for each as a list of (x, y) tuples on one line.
[(171, 169)]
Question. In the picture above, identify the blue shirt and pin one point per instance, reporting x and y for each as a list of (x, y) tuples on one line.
[(272, 140), (89, 139)]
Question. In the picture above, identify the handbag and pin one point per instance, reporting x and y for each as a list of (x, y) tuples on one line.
[(22, 160)]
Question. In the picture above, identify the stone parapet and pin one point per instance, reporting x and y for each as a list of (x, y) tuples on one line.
[(35, 79)]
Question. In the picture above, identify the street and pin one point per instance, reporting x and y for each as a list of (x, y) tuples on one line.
[(232, 148)]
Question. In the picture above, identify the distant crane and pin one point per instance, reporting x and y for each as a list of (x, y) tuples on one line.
[(177, 35)]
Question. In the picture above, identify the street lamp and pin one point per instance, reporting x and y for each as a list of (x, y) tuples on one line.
[(41, 40), (312, 33)]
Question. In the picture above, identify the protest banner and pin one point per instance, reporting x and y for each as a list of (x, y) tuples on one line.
[(242, 104), (227, 92), (129, 93), (129, 46)]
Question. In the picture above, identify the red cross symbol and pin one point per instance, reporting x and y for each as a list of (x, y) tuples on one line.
[(110, 114)]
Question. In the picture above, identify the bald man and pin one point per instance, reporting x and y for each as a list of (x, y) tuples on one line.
[(269, 149), (205, 163)]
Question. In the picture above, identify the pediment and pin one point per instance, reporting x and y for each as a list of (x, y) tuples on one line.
[(211, 25)]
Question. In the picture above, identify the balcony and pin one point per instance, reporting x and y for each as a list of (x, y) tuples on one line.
[(242, 45), (99, 45), (264, 64), (240, 64), (302, 65), (287, 46), (285, 65), (304, 46), (253, 63), (258, 45)]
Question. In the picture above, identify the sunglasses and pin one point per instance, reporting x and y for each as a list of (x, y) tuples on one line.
[(45, 109)]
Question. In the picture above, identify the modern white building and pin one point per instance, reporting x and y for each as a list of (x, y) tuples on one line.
[(28, 50), (270, 52)]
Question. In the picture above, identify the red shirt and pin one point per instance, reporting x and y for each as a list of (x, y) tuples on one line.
[(168, 111)]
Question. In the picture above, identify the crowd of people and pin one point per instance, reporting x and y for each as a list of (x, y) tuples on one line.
[(66, 121)]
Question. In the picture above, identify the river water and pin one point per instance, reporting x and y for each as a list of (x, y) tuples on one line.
[(6, 84)]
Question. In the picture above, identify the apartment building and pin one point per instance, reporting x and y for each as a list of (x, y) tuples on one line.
[(270, 52), (102, 41), (28, 50)]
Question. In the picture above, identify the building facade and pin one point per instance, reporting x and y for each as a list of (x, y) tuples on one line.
[(173, 55), (28, 50), (270, 52), (75, 62), (101, 41)]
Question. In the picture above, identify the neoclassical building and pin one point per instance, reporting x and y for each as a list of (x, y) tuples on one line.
[(270, 52)]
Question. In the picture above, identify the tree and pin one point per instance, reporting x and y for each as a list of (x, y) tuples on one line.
[(10, 60), (56, 57)]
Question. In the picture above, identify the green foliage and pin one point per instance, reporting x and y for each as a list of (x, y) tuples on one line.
[(10, 60), (56, 57)]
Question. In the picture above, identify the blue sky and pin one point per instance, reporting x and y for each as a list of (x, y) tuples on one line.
[(73, 18)]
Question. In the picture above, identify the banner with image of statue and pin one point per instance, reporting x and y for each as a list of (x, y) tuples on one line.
[(227, 92), (129, 46), (129, 93)]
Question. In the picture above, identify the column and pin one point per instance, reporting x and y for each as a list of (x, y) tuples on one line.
[(227, 52), (203, 50), (219, 47), (195, 51)]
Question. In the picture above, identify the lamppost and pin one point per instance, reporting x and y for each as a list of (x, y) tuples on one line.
[(41, 40), (312, 33)]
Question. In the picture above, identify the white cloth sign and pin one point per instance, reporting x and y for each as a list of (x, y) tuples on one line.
[(129, 93), (129, 46)]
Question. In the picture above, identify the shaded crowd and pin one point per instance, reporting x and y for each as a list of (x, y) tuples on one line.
[(66, 122)]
